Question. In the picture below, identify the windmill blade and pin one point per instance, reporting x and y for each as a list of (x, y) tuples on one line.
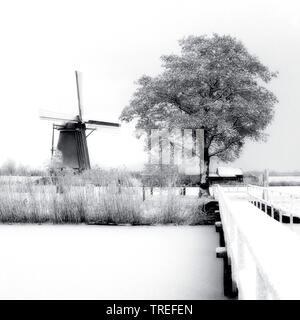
[(78, 76), (95, 124), (55, 116)]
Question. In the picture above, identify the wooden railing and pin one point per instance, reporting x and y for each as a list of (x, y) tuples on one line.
[(285, 203), (263, 255), (230, 188)]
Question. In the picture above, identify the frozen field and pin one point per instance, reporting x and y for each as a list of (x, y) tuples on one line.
[(289, 189), (103, 262)]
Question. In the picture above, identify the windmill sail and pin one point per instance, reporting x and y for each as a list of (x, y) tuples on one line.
[(50, 115), (78, 76), (72, 141), (102, 123)]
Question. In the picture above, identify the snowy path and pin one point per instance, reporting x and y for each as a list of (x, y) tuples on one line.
[(261, 249), (99, 262), (239, 198)]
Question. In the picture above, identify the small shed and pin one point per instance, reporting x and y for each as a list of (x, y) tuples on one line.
[(226, 175)]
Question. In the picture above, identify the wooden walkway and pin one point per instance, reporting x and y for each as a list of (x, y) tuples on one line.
[(261, 255)]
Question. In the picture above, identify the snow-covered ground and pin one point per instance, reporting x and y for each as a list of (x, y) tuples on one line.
[(288, 189), (108, 262)]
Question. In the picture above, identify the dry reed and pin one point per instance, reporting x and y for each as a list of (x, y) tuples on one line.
[(94, 197)]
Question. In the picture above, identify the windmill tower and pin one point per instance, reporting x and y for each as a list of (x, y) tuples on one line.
[(72, 142)]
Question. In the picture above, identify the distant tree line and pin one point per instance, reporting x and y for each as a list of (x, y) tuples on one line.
[(10, 168), (274, 173)]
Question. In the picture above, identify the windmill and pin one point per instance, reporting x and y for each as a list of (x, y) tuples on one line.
[(72, 142)]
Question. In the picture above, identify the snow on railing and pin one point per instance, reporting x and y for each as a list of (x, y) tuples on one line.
[(286, 203), (264, 255), (241, 188)]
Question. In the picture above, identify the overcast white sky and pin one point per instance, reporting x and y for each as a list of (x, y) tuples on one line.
[(115, 42)]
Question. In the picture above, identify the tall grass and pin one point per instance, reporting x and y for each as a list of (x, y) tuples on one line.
[(175, 209), (94, 197)]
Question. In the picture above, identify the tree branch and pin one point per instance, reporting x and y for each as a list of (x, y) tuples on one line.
[(225, 148), (177, 102)]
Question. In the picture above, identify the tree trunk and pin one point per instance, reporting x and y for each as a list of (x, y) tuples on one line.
[(149, 146), (160, 159), (205, 176)]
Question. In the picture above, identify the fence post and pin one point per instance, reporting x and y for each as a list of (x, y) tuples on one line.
[(280, 215), (272, 212), (144, 194)]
